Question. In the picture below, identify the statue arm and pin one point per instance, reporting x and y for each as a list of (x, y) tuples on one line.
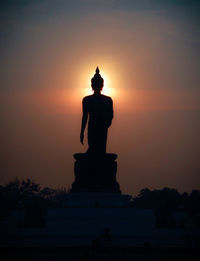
[(84, 120), (110, 113)]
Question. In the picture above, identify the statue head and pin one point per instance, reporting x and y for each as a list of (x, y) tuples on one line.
[(97, 81)]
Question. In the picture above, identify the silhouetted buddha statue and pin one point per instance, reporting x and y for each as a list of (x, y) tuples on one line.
[(95, 170), (99, 109)]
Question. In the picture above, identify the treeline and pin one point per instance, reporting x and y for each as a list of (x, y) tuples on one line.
[(166, 202), (27, 194), (23, 194), (168, 199)]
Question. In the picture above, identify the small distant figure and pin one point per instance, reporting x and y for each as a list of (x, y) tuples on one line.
[(99, 108)]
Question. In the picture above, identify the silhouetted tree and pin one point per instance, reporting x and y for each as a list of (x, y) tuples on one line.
[(26, 194), (193, 202), (157, 198), (163, 202), (60, 197), (16, 192)]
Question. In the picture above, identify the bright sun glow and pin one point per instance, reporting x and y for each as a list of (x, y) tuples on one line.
[(112, 83), (107, 89)]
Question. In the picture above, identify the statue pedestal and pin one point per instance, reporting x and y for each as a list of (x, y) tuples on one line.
[(98, 200), (96, 174)]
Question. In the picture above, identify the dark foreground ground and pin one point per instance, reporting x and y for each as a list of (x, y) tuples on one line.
[(93, 254)]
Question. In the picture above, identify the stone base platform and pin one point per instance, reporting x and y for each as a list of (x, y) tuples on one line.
[(98, 200), (95, 174), (81, 227)]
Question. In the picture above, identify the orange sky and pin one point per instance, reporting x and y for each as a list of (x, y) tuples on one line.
[(148, 54)]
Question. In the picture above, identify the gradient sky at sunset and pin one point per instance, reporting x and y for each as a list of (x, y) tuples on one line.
[(148, 52)]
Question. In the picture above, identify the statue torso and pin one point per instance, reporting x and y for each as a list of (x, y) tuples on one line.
[(99, 108)]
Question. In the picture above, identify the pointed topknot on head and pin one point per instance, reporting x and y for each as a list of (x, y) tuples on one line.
[(97, 70)]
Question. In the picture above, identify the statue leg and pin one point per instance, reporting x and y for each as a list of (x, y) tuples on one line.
[(97, 139), (102, 140)]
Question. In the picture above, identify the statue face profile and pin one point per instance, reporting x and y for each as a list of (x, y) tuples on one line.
[(99, 109)]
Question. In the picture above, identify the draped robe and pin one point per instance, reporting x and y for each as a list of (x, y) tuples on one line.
[(99, 108)]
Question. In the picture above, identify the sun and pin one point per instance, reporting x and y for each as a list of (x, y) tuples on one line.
[(107, 89), (111, 87)]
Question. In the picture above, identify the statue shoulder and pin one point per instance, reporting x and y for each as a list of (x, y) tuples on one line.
[(86, 99), (107, 98)]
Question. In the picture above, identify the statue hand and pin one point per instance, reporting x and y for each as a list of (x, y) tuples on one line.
[(82, 138), (109, 123)]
